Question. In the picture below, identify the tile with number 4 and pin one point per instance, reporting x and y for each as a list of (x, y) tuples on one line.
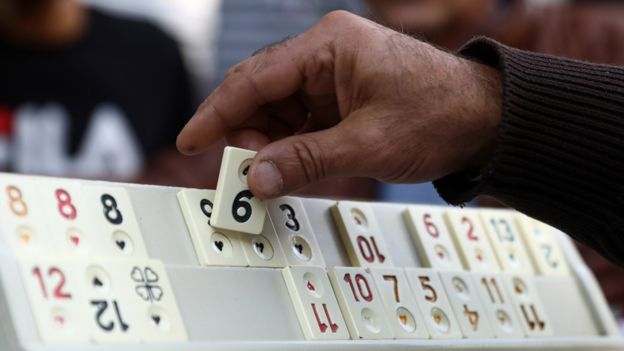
[(433, 240), (360, 234), (431, 298), (467, 305), (235, 206), (528, 305), (213, 247), (543, 246), (67, 216), (360, 303), (295, 232), (22, 218), (473, 244), (113, 220), (315, 303), (506, 241), (403, 313), (498, 305)]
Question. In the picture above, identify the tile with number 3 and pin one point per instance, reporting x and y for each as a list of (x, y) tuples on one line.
[(235, 206), (506, 241), (360, 234)]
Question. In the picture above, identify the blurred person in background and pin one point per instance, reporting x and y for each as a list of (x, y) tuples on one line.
[(89, 95), (589, 31)]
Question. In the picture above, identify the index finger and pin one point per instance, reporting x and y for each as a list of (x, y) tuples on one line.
[(270, 75)]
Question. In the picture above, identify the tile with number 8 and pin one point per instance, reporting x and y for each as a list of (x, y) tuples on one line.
[(114, 220), (360, 303), (543, 246), (528, 305), (295, 232), (360, 234), (431, 298), (213, 247), (403, 313), (506, 241), (433, 240), (235, 206), (22, 218), (498, 305), (473, 244), (466, 303), (315, 303)]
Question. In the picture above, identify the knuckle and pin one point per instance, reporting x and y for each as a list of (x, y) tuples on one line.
[(335, 20), (312, 161)]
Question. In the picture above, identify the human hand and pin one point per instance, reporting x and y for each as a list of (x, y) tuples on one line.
[(351, 98)]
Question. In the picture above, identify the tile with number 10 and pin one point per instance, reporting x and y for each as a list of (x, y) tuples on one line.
[(235, 206)]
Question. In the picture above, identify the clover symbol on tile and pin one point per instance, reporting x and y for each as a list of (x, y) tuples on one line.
[(147, 287)]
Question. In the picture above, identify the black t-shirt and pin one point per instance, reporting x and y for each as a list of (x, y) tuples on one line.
[(99, 107)]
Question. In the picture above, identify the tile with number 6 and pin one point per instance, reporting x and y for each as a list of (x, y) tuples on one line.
[(431, 298), (404, 315), (114, 221), (434, 243), (315, 303), (361, 234), (360, 303), (235, 206)]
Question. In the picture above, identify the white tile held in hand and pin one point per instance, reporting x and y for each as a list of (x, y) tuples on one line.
[(543, 246), (361, 234), (466, 303), (360, 303), (315, 303), (113, 219), (404, 315), (213, 247), (57, 300), (235, 206), (263, 250), (506, 241), (498, 305), (433, 240), (295, 232), (471, 240), (528, 305), (431, 298), (22, 218)]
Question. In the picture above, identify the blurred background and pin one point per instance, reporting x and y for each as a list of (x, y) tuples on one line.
[(99, 88)]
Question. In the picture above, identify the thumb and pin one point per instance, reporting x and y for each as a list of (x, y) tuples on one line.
[(291, 163)]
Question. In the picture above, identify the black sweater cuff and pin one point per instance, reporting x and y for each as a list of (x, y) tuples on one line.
[(560, 145)]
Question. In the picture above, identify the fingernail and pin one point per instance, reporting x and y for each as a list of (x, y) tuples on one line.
[(268, 179)]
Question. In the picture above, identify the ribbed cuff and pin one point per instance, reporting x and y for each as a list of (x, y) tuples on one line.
[(560, 145)]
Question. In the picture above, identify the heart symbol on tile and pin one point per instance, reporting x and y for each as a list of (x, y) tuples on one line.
[(120, 244), (97, 282), (299, 248), (156, 319), (25, 238), (403, 319), (260, 247), (437, 319), (310, 286), (219, 245), (75, 240), (59, 320)]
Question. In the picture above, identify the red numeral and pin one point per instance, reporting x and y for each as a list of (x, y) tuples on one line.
[(430, 226), (60, 285), (322, 325), (362, 286), (369, 250), (470, 232), (65, 206)]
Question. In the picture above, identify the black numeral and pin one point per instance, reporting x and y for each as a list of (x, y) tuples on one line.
[(292, 222), (111, 212), (101, 308), (206, 207), (239, 203)]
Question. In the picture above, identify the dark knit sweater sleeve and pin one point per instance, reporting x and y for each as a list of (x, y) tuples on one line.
[(560, 151)]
